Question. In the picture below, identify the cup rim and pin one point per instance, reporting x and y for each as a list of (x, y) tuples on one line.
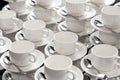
[(14, 51), (103, 10), (40, 23), (65, 68), (67, 42), (9, 13), (108, 56)]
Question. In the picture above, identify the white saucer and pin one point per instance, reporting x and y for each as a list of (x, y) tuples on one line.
[(87, 15), (27, 11), (103, 29), (78, 73), (55, 19), (88, 29), (97, 35), (93, 72), (6, 45), (16, 27), (15, 76), (39, 61), (81, 51), (20, 36)]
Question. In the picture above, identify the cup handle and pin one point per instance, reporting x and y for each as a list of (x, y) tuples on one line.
[(16, 21), (73, 75), (88, 8), (32, 58), (45, 33), (117, 59), (2, 42)]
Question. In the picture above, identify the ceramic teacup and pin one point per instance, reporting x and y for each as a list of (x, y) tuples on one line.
[(34, 30), (43, 14), (76, 7), (111, 16), (8, 20), (75, 25), (109, 38), (65, 42), (45, 3), (105, 57), (58, 67), (20, 53), (18, 7)]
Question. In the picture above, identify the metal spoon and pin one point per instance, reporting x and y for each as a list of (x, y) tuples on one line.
[(8, 62), (8, 76), (89, 65), (100, 25), (51, 50), (96, 40)]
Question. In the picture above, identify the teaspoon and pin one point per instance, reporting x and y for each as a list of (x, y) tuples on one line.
[(96, 40), (8, 62), (89, 65)]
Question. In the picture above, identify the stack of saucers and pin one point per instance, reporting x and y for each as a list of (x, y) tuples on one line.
[(21, 61), (108, 26), (20, 7), (45, 11)]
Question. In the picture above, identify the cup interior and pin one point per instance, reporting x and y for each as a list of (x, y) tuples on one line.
[(104, 51), (65, 37), (34, 25), (58, 62), (22, 47), (7, 14)]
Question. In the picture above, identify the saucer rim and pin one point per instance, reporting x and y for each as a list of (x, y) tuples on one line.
[(73, 57), (39, 43), (84, 17), (83, 33), (74, 68), (91, 73), (7, 45), (37, 64)]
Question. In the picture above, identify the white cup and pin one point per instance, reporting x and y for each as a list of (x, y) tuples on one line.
[(111, 16), (8, 20), (46, 3), (18, 7), (20, 53), (34, 30), (58, 67), (65, 42), (105, 57), (43, 14), (76, 7), (75, 25), (109, 38)]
